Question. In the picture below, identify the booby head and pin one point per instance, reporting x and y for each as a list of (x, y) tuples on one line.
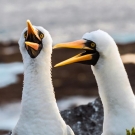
[(34, 41), (96, 45)]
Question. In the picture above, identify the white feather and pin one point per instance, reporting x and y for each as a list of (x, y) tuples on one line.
[(113, 84), (39, 113)]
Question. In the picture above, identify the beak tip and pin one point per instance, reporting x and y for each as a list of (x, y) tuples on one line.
[(28, 21), (55, 65), (55, 46)]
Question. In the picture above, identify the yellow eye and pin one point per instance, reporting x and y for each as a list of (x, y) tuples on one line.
[(25, 35), (41, 35), (92, 45)]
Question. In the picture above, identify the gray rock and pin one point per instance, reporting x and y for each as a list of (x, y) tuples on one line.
[(85, 119)]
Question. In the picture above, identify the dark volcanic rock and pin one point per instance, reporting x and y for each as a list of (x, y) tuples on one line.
[(85, 119)]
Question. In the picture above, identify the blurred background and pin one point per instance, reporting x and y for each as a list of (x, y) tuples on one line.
[(66, 20)]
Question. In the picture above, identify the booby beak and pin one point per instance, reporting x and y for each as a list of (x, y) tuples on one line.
[(32, 45), (31, 30), (90, 56), (33, 42)]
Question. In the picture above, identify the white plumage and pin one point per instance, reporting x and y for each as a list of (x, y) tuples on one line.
[(39, 113), (113, 84)]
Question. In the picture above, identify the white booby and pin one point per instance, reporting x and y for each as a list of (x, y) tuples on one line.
[(114, 88), (39, 112)]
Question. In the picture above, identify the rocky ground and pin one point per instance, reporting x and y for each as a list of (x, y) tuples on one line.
[(70, 80), (84, 120)]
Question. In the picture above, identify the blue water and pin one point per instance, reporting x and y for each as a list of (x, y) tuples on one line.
[(9, 75)]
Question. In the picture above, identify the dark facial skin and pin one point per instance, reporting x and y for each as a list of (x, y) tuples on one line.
[(32, 38)]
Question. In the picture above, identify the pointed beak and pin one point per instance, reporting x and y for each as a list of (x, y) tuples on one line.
[(33, 42), (79, 44), (77, 58), (35, 46), (31, 32), (90, 56)]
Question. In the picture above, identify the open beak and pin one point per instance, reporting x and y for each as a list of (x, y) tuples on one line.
[(32, 40), (31, 32), (90, 56), (35, 46)]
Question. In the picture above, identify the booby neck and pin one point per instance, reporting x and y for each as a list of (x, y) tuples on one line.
[(38, 93), (39, 108), (113, 84), (37, 83), (39, 111)]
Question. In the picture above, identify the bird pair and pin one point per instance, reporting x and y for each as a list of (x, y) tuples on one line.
[(40, 114)]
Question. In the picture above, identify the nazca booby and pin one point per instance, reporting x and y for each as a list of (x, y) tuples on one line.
[(39, 112), (114, 88)]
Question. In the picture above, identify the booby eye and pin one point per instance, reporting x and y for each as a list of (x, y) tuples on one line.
[(41, 35), (92, 44)]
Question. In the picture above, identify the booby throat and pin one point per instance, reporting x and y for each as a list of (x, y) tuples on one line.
[(39, 111), (114, 88)]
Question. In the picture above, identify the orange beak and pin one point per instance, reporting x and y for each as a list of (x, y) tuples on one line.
[(87, 57), (32, 31)]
